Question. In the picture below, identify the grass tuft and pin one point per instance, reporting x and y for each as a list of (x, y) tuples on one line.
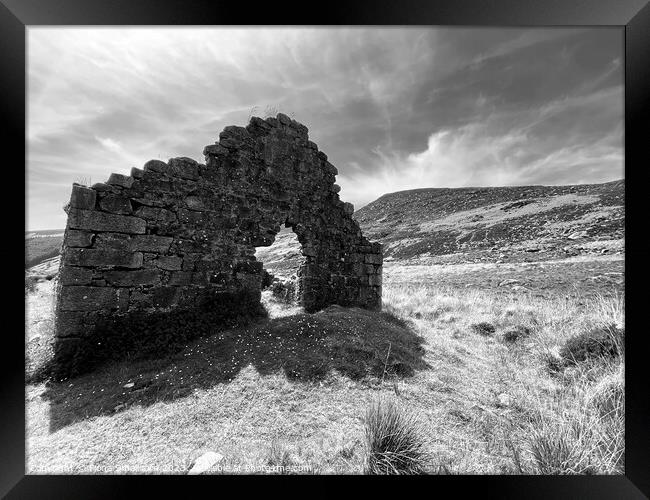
[(600, 342), (515, 334), (279, 458), (558, 450), (393, 441), (608, 395), (483, 328), (579, 442)]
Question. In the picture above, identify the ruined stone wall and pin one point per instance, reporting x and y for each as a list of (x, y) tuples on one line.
[(174, 233)]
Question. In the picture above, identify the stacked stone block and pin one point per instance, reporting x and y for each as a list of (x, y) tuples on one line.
[(172, 234)]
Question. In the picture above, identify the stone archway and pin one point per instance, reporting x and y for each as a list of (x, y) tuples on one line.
[(171, 234)]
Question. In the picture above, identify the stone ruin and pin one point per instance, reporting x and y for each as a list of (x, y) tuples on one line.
[(172, 234)]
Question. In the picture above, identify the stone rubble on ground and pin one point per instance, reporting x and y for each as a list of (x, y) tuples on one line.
[(504, 400), (204, 463)]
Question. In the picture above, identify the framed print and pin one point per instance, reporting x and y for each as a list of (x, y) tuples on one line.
[(382, 240)]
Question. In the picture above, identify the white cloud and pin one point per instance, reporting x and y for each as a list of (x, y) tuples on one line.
[(474, 156)]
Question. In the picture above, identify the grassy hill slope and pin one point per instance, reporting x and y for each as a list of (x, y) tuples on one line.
[(41, 246), (501, 223)]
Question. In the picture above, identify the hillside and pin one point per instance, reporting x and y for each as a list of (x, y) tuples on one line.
[(503, 223), (41, 246)]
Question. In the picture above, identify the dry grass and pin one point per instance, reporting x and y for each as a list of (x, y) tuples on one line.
[(582, 440), (485, 404), (394, 443), (530, 420)]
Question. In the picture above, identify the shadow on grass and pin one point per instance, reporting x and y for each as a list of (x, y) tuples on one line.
[(305, 347)]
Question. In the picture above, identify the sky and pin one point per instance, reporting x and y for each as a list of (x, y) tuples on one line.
[(393, 108)]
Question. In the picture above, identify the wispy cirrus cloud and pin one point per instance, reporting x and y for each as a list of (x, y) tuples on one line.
[(561, 142)]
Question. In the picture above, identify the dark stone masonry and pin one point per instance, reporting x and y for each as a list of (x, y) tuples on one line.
[(174, 234)]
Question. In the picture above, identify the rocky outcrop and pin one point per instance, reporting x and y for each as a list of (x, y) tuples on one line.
[(172, 234)]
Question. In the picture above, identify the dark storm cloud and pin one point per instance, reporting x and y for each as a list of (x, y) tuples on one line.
[(511, 70), (394, 108)]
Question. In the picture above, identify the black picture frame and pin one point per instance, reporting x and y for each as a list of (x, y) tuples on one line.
[(632, 16)]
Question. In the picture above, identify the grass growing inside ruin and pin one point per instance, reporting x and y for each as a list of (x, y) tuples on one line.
[(295, 392)]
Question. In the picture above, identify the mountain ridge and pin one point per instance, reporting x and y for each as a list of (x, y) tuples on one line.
[(552, 221)]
